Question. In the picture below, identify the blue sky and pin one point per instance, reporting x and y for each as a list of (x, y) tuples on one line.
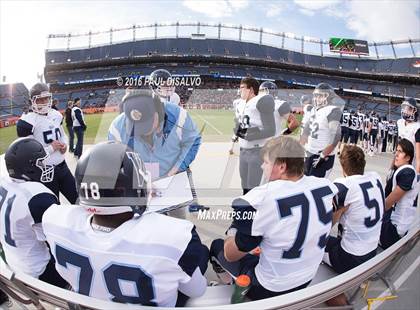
[(24, 25)]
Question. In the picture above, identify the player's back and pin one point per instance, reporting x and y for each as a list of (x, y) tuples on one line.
[(364, 195), (294, 219), (21, 207), (136, 262)]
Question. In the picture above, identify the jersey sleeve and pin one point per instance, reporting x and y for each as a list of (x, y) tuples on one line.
[(340, 197), (335, 115), (195, 256), (244, 239), (284, 108), (417, 136), (39, 204), (405, 178), (265, 107), (24, 128)]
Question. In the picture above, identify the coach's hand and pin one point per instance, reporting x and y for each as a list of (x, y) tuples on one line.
[(319, 160)]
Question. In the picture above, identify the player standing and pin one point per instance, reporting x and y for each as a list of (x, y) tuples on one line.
[(45, 125)]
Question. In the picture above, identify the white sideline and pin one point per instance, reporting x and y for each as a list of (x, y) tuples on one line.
[(207, 122), (397, 284)]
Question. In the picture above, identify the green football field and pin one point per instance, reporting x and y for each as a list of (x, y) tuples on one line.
[(216, 126)]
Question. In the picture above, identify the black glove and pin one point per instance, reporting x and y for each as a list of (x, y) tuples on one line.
[(239, 131), (319, 160), (84, 127)]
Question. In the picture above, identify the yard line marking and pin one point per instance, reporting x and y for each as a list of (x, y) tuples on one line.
[(208, 123)]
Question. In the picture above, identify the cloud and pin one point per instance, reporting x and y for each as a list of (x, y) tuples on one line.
[(383, 20), (307, 12), (274, 10), (216, 9), (311, 5)]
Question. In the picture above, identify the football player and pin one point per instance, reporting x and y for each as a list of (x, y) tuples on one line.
[(362, 118), (23, 200), (45, 125), (161, 83), (360, 207), (401, 191), (254, 125), (322, 133), (373, 133), (354, 127), (345, 131), (409, 127), (289, 219), (112, 248), (286, 121)]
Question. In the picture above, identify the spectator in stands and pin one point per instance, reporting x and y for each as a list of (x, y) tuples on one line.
[(79, 126), (254, 124), (163, 134), (69, 125), (401, 192), (45, 125), (54, 104)]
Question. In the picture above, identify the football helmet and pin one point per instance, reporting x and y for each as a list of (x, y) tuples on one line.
[(161, 83), (41, 98), (111, 179), (410, 109), (25, 159), (269, 88), (323, 95)]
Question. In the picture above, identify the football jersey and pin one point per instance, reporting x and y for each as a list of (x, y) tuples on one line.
[(362, 118), (249, 116), (375, 122), (137, 262), (293, 220), (362, 222), (45, 129), (320, 133), (76, 122), (345, 120), (404, 211), (354, 122), (22, 205), (281, 113), (392, 129)]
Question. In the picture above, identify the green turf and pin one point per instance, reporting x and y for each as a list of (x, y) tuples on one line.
[(217, 126)]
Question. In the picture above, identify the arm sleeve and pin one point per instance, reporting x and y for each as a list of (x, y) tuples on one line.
[(265, 107), (191, 141), (244, 239), (405, 178), (335, 115)]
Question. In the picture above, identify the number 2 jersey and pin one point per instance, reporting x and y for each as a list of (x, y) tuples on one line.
[(22, 205), (45, 129), (362, 221), (143, 261), (291, 225)]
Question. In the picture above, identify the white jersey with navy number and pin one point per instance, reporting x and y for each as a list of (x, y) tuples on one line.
[(45, 129), (411, 132), (320, 133), (362, 221), (345, 120), (249, 116), (291, 226), (143, 261), (306, 115), (354, 122), (76, 122), (281, 114), (375, 122), (362, 118), (404, 211), (22, 205)]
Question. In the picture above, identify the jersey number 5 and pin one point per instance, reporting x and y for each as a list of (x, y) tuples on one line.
[(285, 206)]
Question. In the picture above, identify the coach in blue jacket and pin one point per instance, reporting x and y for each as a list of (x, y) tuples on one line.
[(163, 134)]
